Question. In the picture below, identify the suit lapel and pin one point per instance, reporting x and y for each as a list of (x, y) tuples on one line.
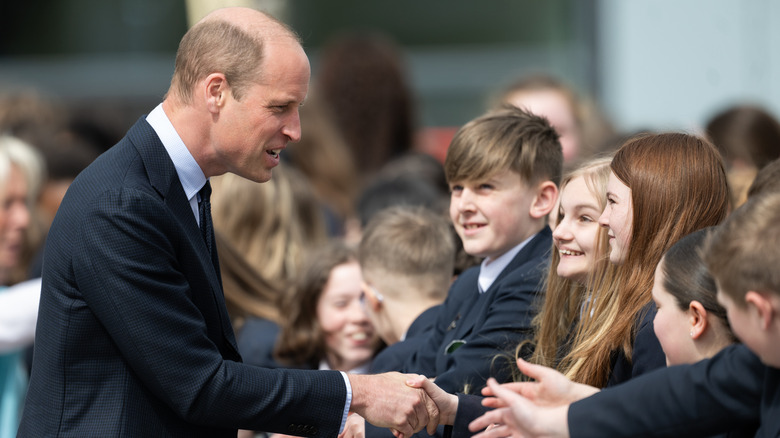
[(535, 248), (164, 179)]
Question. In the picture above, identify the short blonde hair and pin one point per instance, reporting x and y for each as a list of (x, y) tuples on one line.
[(742, 252), (411, 242), (505, 139)]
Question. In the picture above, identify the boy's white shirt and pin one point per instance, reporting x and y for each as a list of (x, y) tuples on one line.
[(490, 269)]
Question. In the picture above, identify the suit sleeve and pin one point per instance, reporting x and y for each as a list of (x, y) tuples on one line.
[(702, 399), (147, 305)]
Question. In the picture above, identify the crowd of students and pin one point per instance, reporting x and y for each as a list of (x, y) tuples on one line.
[(564, 272)]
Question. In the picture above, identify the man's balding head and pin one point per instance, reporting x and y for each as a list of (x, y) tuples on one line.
[(228, 41)]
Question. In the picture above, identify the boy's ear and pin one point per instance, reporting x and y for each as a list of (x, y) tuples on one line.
[(698, 318), (545, 200), (763, 308)]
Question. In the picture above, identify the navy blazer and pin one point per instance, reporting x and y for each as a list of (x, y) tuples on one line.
[(647, 354), (472, 328), (733, 390), (257, 340), (393, 356), (133, 338)]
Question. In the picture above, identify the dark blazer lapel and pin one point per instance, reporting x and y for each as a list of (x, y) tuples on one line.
[(164, 179), (536, 247), (533, 250)]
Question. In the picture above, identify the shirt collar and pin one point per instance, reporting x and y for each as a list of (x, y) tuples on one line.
[(190, 174), (490, 269)]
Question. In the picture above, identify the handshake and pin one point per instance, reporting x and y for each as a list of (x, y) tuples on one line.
[(408, 403), (404, 403)]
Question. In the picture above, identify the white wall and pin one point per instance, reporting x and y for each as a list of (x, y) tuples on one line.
[(672, 64)]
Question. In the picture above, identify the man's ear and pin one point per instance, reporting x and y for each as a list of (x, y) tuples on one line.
[(762, 305), (698, 318), (545, 199), (216, 91)]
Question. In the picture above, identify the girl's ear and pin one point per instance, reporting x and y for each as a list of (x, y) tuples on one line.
[(545, 200), (698, 319)]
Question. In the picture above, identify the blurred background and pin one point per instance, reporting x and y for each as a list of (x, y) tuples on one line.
[(649, 64)]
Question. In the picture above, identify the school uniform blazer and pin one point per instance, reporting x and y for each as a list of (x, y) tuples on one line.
[(472, 328), (133, 338), (257, 340), (647, 353), (733, 390), (393, 356)]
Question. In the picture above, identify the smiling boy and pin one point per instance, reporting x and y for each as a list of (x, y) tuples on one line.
[(503, 169)]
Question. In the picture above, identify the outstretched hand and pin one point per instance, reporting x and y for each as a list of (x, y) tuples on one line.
[(519, 417), (385, 400), (549, 388), (447, 403)]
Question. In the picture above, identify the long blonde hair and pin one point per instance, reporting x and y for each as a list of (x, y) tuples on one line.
[(264, 222), (678, 185), (563, 297)]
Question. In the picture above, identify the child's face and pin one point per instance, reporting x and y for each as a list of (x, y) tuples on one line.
[(672, 325), (350, 339), (618, 218), (492, 216), (577, 231)]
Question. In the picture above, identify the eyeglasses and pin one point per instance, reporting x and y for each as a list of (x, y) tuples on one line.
[(365, 286)]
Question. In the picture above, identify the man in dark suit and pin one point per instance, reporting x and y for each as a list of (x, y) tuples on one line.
[(133, 336)]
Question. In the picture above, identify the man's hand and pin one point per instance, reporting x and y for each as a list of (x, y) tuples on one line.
[(520, 417), (446, 402), (550, 387), (385, 400)]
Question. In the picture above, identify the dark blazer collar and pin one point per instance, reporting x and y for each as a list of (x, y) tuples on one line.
[(424, 321), (538, 245)]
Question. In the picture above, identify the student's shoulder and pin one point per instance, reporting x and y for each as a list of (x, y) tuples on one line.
[(770, 409), (531, 262)]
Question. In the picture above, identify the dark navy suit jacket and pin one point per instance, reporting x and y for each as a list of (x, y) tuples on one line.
[(472, 328), (393, 356), (133, 338)]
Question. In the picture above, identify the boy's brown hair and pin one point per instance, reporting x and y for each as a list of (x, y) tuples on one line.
[(505, 139), (412, 242), (742, 253)]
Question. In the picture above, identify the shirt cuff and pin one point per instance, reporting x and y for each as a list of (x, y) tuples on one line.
[(348, 403)]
